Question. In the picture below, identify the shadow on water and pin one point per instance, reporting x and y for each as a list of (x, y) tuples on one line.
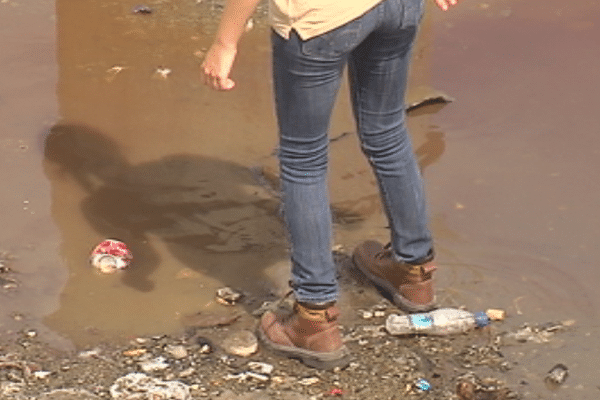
[(209, 215)]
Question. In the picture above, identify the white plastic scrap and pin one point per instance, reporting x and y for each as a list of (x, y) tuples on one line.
[(138, 386)]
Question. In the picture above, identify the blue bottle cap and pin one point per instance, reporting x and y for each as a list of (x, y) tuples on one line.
[(481, 319)]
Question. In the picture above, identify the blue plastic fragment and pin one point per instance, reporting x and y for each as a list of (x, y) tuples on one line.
[(423, 385)]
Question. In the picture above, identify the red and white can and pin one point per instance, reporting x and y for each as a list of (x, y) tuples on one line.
[(111, 256)]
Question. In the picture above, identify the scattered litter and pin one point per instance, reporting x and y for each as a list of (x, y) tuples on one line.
[(247, 376), (141, 386), (162, 72), (141, 9), (112, 72), (471, 387), (227, 296), (90, 353), (423, 385), (260, 367), (309, 381), (41, 374), (156, 364), (110, 256), (243, 343), (556, 376), (336, 392)]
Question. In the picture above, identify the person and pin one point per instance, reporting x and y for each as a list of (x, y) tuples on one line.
[(312, 42)]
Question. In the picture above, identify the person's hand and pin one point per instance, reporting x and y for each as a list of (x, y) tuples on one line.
[(217, 66), (445, 4)]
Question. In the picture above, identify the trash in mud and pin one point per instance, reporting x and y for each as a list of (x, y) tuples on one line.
[(162, 73), (141, 9), (153, 365), (535, 334), (423, 385), (112, 72), (471, 387), (207, 320), (425, 95), (110, 256), (556, 376), (142, 386), (227, 296)]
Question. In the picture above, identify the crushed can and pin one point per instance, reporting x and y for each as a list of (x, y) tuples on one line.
[(110, 256)]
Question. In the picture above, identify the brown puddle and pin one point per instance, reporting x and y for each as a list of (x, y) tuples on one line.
[(97, 143)]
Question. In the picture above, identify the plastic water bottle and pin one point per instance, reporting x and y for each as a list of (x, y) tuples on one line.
[(444, 321)]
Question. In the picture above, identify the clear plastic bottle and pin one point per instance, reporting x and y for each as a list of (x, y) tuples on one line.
[(445, 321)]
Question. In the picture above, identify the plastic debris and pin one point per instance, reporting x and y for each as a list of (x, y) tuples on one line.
[(110, 256), (141, 386), (156, 364), (423, 385), (141, 9), (227, 296), (556, 376)]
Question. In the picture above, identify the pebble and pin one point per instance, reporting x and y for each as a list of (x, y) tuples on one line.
[(177, 352), (156, 364), (41, 374), (243, 343), (134, 352)]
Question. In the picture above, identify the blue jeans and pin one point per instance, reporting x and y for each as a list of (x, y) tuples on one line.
[(377, 49)]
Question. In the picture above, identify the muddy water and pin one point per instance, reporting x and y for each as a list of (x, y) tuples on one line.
[(96, 142)]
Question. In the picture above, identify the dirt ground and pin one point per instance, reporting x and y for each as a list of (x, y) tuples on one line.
[(107, 131)]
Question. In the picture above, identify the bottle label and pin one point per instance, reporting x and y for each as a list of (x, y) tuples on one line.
[(421, 321)]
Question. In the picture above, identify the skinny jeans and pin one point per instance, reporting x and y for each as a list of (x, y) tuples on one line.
[(376, 48)]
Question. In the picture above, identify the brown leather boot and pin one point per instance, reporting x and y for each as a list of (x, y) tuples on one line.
[(410, 286), (310, 334)]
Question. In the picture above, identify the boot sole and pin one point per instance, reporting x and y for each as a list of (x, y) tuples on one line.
[(315, 359), (400, 301)]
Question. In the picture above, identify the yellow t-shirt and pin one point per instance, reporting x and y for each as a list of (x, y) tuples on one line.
[(310, 18)]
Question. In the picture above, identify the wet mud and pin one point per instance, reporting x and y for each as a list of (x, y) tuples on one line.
[(107, 131)]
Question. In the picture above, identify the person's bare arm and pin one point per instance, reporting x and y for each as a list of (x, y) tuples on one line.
[(445, 4), (219, 58)]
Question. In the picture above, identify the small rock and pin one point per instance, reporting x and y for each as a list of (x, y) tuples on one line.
[(379, 314), (177, 352), (31, 333), (366, 314), (243, 343), (134, 352), (186, 373), (162, 72), (156, 364)]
